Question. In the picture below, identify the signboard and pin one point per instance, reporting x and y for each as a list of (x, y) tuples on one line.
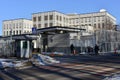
[(34, 30)]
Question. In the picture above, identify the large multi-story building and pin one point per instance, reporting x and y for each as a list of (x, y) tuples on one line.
[(98, 20), (48, 19), (17, 26)]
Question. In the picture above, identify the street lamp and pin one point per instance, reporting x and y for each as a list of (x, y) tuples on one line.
[(11, 34), (10, 43)]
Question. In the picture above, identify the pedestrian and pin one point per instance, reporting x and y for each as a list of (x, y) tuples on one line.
[(88, 49), (72, 48), (115, 50), (96, 49)]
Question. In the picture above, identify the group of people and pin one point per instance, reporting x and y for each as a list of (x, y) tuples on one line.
[(96, 49)]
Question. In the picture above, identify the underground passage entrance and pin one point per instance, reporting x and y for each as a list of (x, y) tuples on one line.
[(58, 39)]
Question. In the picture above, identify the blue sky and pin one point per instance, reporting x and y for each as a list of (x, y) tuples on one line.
[(12, 9)]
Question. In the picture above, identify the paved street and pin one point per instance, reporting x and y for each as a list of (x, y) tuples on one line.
[(80, 67)]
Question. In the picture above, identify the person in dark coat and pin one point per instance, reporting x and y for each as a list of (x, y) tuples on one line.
[(72, 48), (96, 49), (88, 49)]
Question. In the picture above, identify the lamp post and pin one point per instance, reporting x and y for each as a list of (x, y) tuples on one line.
[(11, 48), (11, 34)]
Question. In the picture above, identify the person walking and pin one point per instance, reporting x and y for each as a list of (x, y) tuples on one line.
[(96, 49), (72, 48)]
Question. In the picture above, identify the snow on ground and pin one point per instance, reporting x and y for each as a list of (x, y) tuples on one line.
[(38, 59), (11, 63), (43, 60), (113, 77)]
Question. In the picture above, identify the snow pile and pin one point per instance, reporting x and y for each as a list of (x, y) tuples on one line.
[(7, 63), (43, 60), (113, 77), (18, 64)]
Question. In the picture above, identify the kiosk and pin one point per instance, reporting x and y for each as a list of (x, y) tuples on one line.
[(21, 45)]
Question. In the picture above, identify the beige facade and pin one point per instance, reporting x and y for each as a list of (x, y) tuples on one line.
[(48, 19), (16, 27), (98, 20)]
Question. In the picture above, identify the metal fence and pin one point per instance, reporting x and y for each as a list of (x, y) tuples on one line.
[(6, 48), (108, 40)]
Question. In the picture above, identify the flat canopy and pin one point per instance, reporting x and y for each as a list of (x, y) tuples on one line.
[(58, 29), (48, 30), (20, 37)]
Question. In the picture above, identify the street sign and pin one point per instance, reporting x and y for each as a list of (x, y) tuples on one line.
[(34, 30)]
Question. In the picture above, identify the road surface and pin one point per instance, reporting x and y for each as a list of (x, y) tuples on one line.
[(82, 67)]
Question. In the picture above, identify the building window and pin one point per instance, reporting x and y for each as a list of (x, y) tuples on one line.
[(86, 24), (89, 19), (60, 24), (103, 25), (20, 27), (4, 32), (85, 19), (16, 27), (60, 18), (82, 20), (34, 19), (46, 24), (51, 17), (45, 17), (89, 24), (7, 32), (34, 25), (51, 24), (20, 24), (95, 26), (95, 19), (16, 32), (98, 18), (39, 25), (39, 18), (64, 19), (103, 19), (99, 25), (77, 20), (57, 17), (20, 31), (13, 32)]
